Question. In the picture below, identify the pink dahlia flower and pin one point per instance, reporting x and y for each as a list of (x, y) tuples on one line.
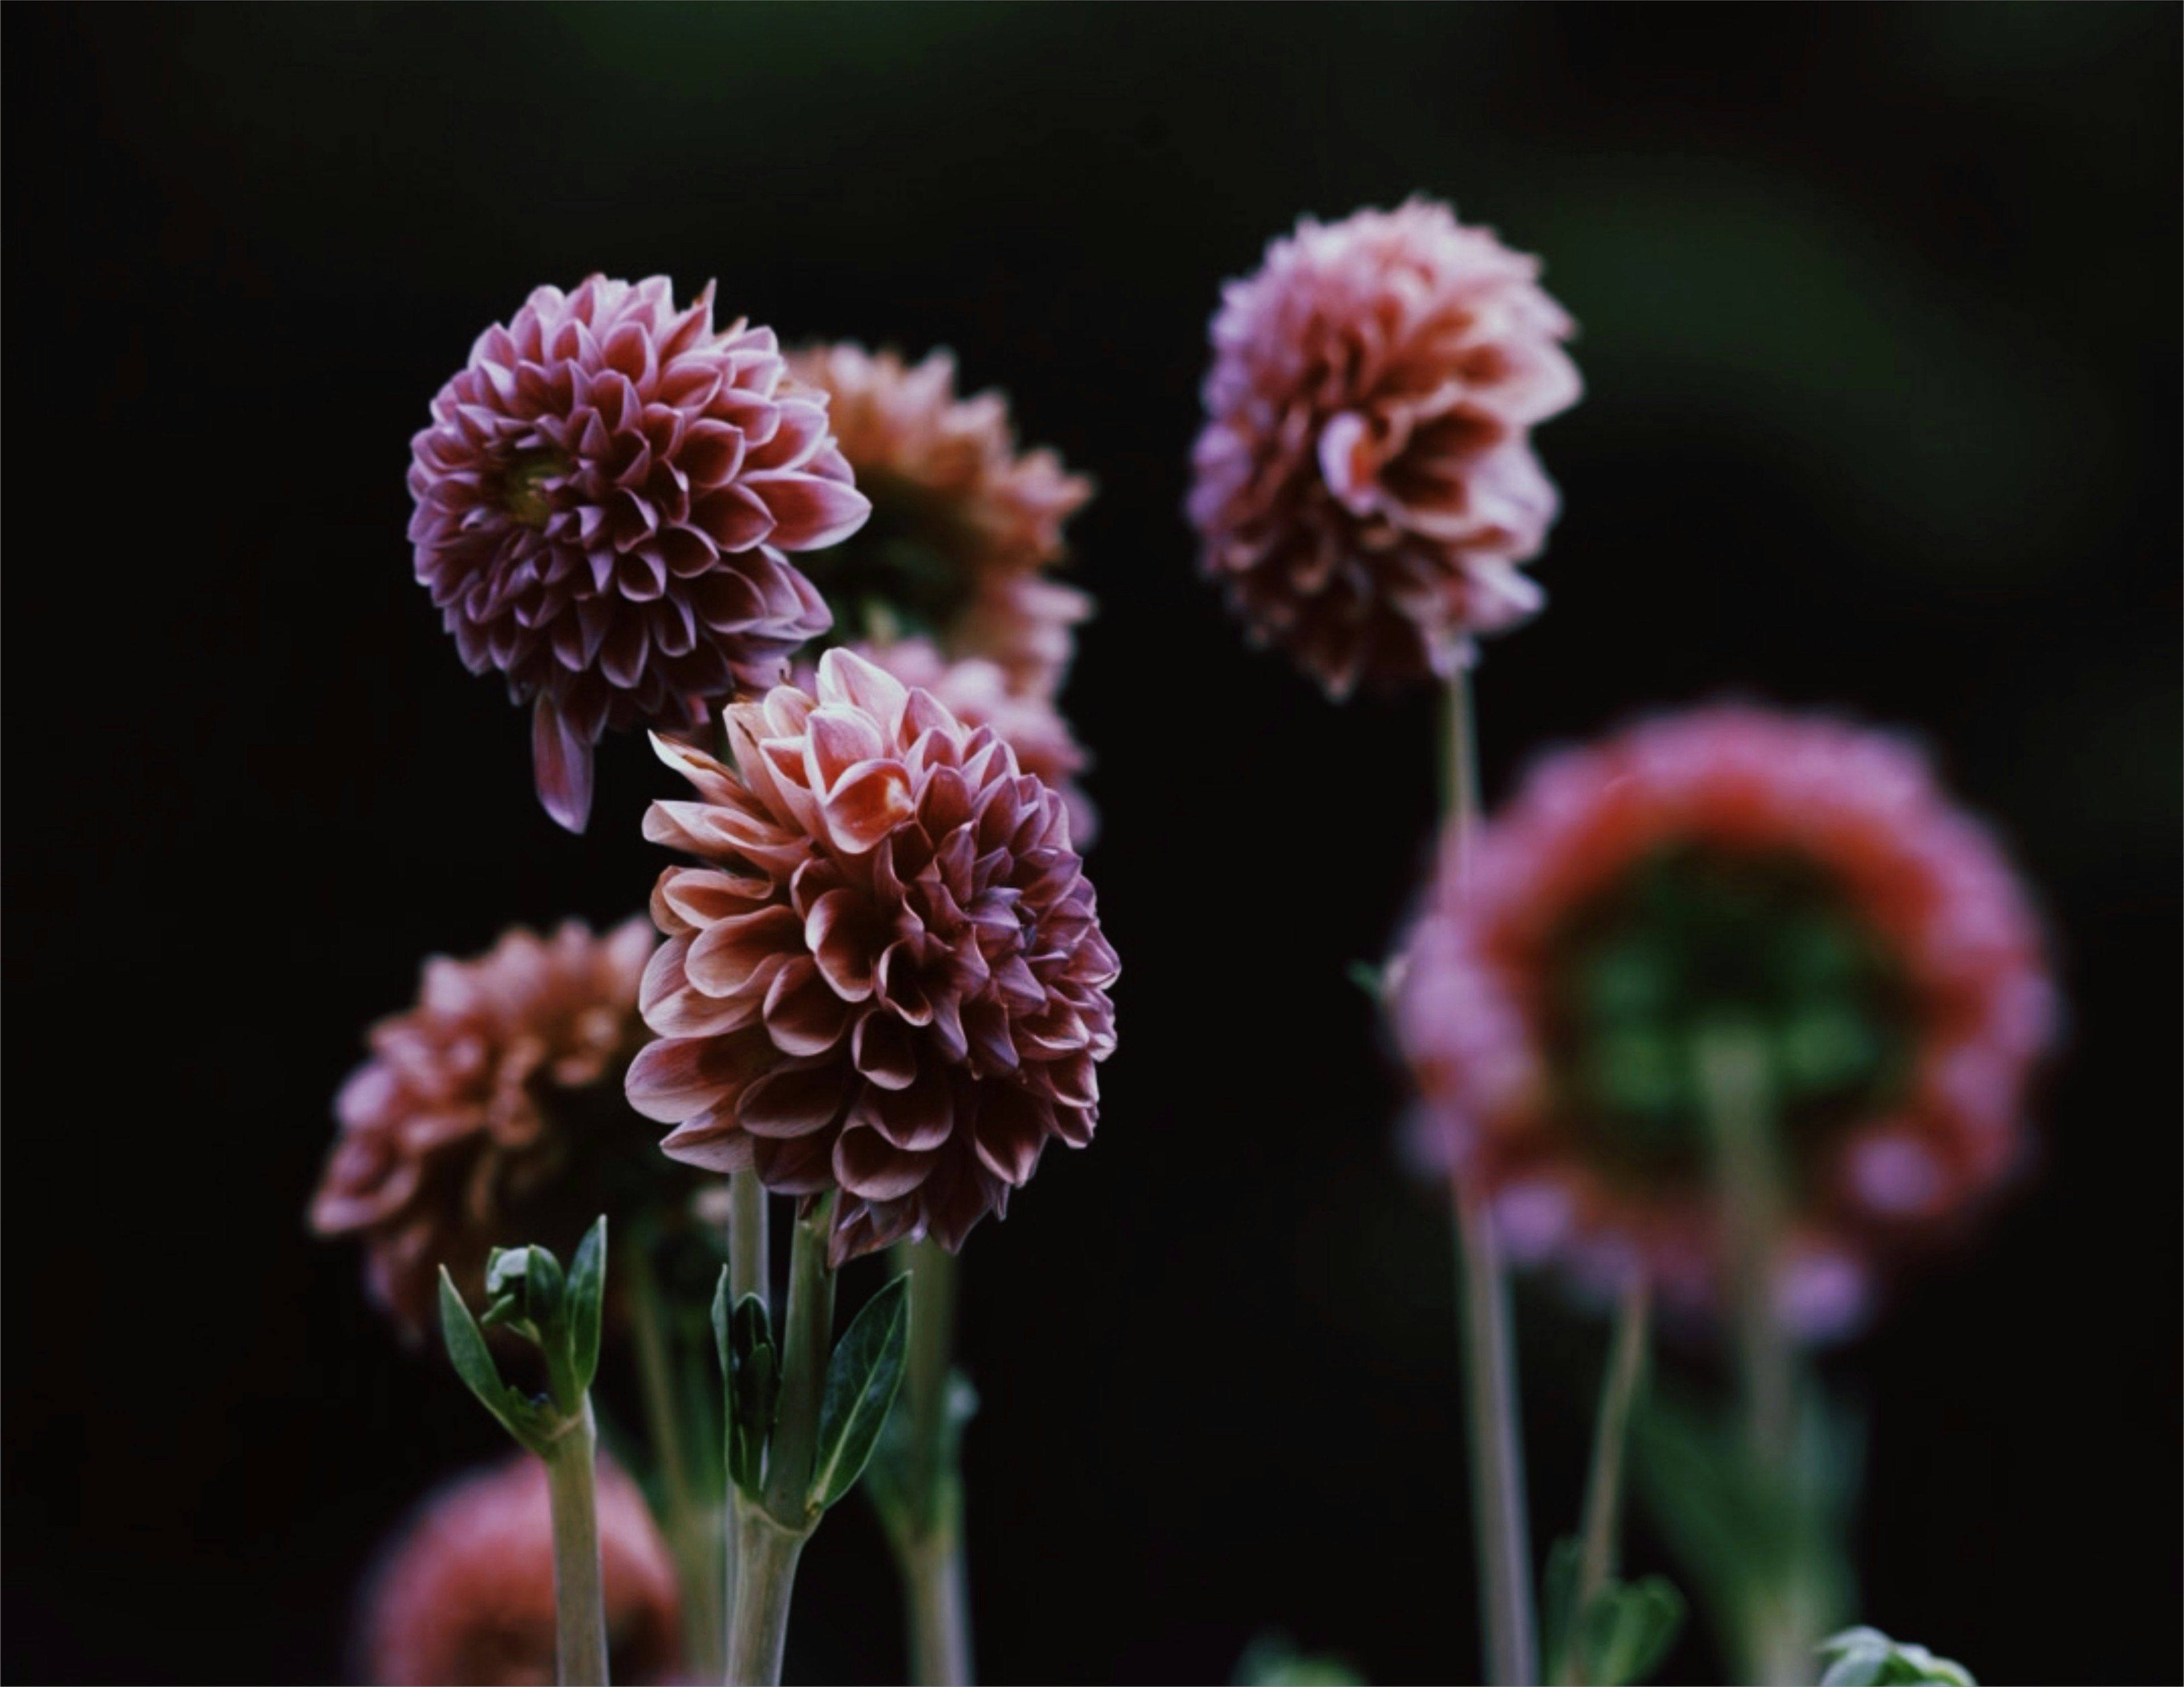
[(888, 974), (482, 1109), (465, 1592), (978, 693), (603, 499), (963, 524), (1803, 876), (1365, 486)]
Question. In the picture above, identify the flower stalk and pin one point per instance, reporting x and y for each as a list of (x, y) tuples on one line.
[(1603, 1492), (580, 1622), (1501, 1527), (928, 1530)]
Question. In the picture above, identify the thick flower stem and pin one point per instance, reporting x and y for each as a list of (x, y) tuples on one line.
[(1603, 1491), (695, 1535), (748, 1240), (1501, 1527), (766, 1561), (929, 1549), (580, 1624), (1780, 1625), (770, 1533)]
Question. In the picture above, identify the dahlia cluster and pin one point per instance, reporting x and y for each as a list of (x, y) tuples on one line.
[(1800, 875), (482, 1105), (604, 498), (887, 975), (1365, 486)]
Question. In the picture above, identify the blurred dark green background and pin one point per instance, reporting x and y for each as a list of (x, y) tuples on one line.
[(1878, 312)]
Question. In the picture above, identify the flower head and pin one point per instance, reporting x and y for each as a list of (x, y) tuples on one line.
[(465, 1592), (604, 498), (888, 977), (1801, 877), (1365, 486), (978, 693), (482, 1105), (963, 524)]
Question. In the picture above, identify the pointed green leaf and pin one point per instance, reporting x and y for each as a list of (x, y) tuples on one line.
[(1866, 1657), (473, 1361), (754, 1385), (1557, 1602), (861, 1381), (1643, 1619), (587, 1293)]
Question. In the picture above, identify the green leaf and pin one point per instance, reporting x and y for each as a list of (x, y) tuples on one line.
[(1866, 1657), (1639, 1624), (1272, 1661), (467, 1351), (1369, 979), (862, 1380), (587, 1294), (754, 1385), (1558, 1603)]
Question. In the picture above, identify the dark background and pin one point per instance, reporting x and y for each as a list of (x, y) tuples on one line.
[(1880, 327)]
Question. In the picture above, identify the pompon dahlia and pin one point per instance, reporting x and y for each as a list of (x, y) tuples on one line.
[(1365, 486), (1803, 876), (484, 1110), (603, 498), (963, 524), (978, 693), (465, 1591), (888, 977)]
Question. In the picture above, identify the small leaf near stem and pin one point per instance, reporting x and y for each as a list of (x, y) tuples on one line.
[(862, 1378), (587, 1297)]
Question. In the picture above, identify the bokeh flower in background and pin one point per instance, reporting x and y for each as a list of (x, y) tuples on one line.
[(966, 528), (1795, 874), (604, 498), (888, 977), (1365, 487), (482, 1105), (464, 1591)]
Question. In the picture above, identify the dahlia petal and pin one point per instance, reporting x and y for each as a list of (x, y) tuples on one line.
[(794, 1099), (703, 896), (795, 1166), (803, 1014), (712, 1141), (836, 739), (809, 513), (844, 937), (678, 1078), (868, 1165), (724, 958), (870, 800), (1008, 1131), (918, 1118), (561, 763), (880, 1048), (847, 677)]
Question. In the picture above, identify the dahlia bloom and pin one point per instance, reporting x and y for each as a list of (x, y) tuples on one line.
[(480, 1108), (978, 693), (888, 976), (1365, 486), (465, 1590), (1801, 874), (603, 499), (963, 524)]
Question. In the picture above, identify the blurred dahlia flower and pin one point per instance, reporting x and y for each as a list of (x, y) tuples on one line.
[(1801, 875), (980, 693), (603, 498), (465, 1591), (888, 977), (484, 1107), (1364, 485), (962, 524)]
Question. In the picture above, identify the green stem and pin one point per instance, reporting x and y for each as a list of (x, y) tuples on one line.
[(929, 1553), (766, 1557), (1603, 1491), (807, 1339), (579, 1626), (695, 1538), (1500, 1527), (1780, 1625), (1739, 1102), (747, 1239)]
